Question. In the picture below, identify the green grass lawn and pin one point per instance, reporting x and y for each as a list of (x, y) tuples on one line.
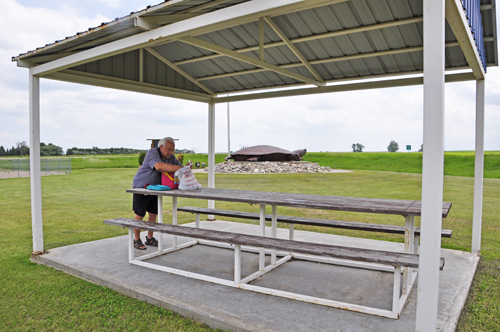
[(457, 163), (34, 297)]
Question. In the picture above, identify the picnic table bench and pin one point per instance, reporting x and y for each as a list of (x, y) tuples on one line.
[(330, 254), (397, 260), (291, 220)]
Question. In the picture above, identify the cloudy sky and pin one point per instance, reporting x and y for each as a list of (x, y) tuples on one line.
[(82, 116)]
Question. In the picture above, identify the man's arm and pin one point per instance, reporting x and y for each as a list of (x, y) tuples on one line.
[(164, 167)]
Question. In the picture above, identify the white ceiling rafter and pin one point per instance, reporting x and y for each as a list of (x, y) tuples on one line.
[(74, 76), (331, 34), (245, 58), (294, 49), (177, 69), (329, 60), (153, 22), (389, 83)]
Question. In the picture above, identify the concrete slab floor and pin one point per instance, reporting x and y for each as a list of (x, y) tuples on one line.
[(105, 262)]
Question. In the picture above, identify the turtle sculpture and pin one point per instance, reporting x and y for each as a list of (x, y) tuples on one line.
[(266, 153)]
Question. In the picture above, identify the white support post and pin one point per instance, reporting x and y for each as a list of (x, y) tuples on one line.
[(35, 171), (477, 215), (174, 218), (131, 239), (237, 263), (274, 231), (197, 220), (396, 290), (290, 235), (432, 166), (409, 248), (160, 220), (211, 153), (262, 224)]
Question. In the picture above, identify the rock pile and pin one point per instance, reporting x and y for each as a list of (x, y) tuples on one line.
[(271, 167)]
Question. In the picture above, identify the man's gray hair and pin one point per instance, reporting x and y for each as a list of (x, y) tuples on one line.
[(165, 139)]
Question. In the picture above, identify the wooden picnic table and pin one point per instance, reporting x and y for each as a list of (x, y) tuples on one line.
[(324, 202), (409, 209)]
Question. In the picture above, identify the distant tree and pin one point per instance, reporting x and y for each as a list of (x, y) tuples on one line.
[(142, 155), (2, 151), (421, 148), (357, 147), (50, 150), (21, 147), (393, 146)]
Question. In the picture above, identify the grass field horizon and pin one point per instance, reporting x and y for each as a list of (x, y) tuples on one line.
[(36, 297), (456, 163)]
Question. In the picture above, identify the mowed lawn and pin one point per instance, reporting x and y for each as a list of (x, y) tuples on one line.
[(34, 297)]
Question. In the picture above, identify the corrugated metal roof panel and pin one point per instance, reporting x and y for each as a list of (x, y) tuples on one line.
[(306, 23)]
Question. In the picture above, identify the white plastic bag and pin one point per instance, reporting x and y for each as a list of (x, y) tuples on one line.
[(187, 181)]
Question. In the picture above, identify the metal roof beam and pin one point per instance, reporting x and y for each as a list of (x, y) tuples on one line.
[(294, 49), (153, 22), (338, 80), (74, 76), (204, 6), (342, 88), (177, 69), (220, 19), (458, 23), (90, 43), (328, 60), (245, 58), (337, 33)]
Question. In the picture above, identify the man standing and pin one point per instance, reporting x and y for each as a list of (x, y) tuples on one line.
[(157, 160)]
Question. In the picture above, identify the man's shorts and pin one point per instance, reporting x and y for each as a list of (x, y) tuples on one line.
[(145, 203)]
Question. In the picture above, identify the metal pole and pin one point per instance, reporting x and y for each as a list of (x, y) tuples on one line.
[(262, 227), (211, 153), (174, 218), (228, 131), (160, 221), (432, 165), (477, 215), (35, 178)]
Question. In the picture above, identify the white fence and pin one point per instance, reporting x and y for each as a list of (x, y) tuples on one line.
[(20, 167)]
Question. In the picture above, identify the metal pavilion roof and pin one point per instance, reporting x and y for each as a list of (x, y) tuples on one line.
[(315, 43)]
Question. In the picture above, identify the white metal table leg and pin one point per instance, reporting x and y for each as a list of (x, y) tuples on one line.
[(160, 220), (262, 252), (131, 245), (174, 218), (396, 289), (237, 263), (274, 231), (409, 248)]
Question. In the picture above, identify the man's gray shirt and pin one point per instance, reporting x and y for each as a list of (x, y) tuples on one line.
[(147, 173)]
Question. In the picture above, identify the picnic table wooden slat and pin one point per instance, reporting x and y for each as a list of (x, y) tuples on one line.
[(338, 203), (353, 225), (348, 253)]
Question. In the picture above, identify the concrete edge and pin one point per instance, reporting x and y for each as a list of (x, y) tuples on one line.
[(225, 323), (463, 293)]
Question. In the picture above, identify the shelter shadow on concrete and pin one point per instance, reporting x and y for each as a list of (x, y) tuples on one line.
[(105, 262)]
